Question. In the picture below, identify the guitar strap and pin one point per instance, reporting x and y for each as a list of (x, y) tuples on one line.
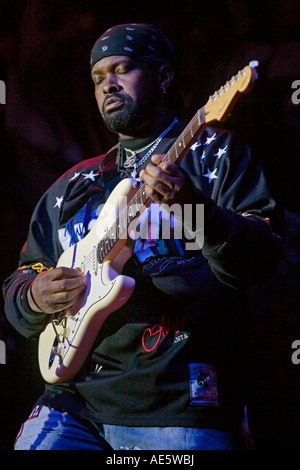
[(109, 164)]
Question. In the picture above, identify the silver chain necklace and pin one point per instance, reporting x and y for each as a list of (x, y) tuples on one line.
[(154, 144), (130, 159)]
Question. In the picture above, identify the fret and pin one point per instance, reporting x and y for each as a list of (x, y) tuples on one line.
[(173, 155), (128, 215), (191, 130), (144, 195), (138, 199), (136, 204), (176, 151), (121, 219), (113, 234), (124, 214), (183, 142)]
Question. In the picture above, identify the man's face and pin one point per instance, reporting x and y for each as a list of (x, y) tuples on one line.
[(127, 93)]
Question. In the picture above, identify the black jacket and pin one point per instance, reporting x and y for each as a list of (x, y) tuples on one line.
[(188, 315)]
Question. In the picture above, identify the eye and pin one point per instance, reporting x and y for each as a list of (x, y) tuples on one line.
[(122, 69), (98, 80)]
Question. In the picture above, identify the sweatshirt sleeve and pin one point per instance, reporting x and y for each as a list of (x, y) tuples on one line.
[(43, 246), (243, 225), (37, 255), (248, 251)]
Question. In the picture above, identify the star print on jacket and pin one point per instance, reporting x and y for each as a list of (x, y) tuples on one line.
[(195, 145), (211, 174), (74, 176), (91, 175), (59, 201), (210, 139), (220, 152)]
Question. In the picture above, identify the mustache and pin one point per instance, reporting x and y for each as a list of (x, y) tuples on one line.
[(114, 95)]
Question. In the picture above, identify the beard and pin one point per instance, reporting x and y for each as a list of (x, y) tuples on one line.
[(121, 120), (128, 120)]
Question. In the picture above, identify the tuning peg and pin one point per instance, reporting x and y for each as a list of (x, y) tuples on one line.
[(253, 64)]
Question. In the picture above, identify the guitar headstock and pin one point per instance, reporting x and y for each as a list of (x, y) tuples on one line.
[(222, 101)]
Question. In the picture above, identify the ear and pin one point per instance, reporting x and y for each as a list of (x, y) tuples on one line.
[(166, 76)]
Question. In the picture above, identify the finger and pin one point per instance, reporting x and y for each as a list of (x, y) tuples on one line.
[(156, 177), (157, 159), (52, 302), (64, 272), (168, 167), (167, 172), (66, 285), (153, 184), (53, 289), (66, 299)]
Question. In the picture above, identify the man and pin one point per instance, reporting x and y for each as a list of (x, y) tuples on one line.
[(168, 368)]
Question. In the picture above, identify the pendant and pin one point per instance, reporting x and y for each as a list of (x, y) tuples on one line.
[(130, 160), (136, 178)]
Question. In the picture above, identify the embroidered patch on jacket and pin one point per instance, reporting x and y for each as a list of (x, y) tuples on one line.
[(38, 267), (35, 412), (203, 384)]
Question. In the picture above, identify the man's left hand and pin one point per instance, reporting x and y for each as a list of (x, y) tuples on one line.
[(165, 182)]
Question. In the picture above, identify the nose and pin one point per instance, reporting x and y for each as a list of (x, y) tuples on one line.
[(111, 84)]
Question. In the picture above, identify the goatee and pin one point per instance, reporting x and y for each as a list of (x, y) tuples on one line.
[(128, 119), (122, 120)]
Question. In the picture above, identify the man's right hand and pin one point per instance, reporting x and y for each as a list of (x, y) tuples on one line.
[(56, 290)]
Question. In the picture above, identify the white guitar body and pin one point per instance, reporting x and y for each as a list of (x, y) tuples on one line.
[(64, 344)]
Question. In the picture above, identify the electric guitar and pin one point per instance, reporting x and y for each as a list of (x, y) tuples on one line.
[(67, 339)]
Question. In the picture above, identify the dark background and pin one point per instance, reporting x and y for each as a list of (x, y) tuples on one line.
[(50, 122)]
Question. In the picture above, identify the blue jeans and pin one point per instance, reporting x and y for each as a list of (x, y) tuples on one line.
[(48, 429)]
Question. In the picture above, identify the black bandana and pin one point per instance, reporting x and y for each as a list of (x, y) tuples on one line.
[(140, 41)]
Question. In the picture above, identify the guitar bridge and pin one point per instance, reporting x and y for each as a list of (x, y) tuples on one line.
[(59, 347)]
